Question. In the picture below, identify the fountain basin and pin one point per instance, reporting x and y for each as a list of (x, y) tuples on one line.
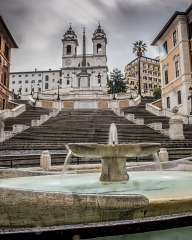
[(82, 198), (113, 156)]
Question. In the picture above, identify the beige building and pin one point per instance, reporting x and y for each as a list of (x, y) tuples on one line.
[(175, 42), (6, 43), (150, 75)]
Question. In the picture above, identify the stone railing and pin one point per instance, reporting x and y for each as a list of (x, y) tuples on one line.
[(135, 101), (187, 119), (11, 113), (44, 118), (154, 109), (131, 118), (18, 128)]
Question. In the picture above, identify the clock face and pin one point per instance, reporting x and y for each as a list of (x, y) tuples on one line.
[(68, 62)]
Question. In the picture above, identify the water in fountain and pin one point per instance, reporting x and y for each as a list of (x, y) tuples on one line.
[(157, 161), (113, 137), (68, 157)]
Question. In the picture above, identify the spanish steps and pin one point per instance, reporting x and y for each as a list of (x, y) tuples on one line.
[(25, 117), (86, 125)]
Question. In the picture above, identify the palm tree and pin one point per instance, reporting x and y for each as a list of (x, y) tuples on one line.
[(139, 47)]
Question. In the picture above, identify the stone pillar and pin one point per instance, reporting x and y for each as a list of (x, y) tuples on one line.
[(45, 161), (114, 169), (163, 155), (176, 128)]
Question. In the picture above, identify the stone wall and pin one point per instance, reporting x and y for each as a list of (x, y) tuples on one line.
[(102, 104), (124, 103), (68, 104), (36, 209), (47, 104)]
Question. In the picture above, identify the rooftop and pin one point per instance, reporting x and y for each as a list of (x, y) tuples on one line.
[(3, 27), (167, 25)]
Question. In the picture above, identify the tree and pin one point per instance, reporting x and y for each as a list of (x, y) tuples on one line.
[(157, 93), (139, 48), (116, 84)]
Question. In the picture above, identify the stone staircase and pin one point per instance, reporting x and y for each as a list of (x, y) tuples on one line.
[(149, 118), (31, 113), (78, 126)]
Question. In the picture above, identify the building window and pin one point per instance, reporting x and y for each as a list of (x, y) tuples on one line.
[(165, 48), (39, 74), (46, 85), (46, 78), (179, 100), (68, 49), (32, 75), (53, 80), (13, 82), (174, 38), (166, 76), (33, 81), (68, 81), (26, 75), (177, 68), (13, 76), (19, 75), (20, 82), (5, 79), (26, 89), (26, 81), (99, 78), (99, 48), (39, 81), (168, 102)]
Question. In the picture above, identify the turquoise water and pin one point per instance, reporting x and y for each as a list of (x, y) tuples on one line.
[(171, 234), (152, 184)]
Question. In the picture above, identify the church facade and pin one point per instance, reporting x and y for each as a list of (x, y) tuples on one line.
[(80, 73)]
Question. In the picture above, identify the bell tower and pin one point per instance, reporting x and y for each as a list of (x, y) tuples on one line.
[(70, 43), (99, 42)]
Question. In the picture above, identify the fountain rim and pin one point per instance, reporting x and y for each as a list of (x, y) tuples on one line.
[(115, 145)]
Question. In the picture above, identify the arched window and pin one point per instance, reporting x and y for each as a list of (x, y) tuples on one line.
[(68, 49), (99, 48)]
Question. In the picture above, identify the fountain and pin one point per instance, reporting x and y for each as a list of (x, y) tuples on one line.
[(113, 155), (116, 193)]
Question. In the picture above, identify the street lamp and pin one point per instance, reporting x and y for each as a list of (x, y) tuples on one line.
[(190, 97), (38, 90), (58, 94), (113, 90), (32, 89)]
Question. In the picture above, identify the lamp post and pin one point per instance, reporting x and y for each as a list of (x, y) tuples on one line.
[(114, 98), (58, 94), (38, 90), (190, 97), (32, 90), (20, 90)]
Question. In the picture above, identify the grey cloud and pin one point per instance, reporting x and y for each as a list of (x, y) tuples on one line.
[(38, 26)]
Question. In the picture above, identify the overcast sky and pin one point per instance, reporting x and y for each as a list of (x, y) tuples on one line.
[(38, 26)]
